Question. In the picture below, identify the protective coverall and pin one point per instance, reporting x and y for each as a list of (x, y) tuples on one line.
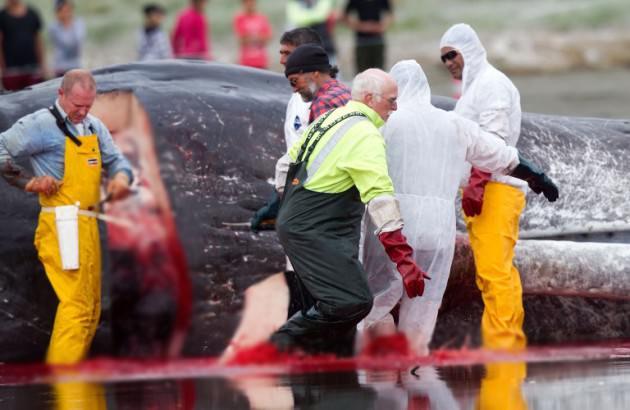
[(427, 150), (79, 167), (490, 99), (339, 164)]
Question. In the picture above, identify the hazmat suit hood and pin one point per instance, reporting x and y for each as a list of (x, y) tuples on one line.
[(416, 144), (464, 39), (413, 86), (488, 98)]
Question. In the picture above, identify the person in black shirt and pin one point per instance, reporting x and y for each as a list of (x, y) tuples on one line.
[(369, 19), (21, 46)]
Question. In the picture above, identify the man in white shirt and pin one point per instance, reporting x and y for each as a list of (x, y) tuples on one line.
[(295, 123)]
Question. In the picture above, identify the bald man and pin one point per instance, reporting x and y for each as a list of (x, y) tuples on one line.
[(68, 148)]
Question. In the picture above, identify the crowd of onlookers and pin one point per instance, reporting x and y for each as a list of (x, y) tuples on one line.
[(23, 57)]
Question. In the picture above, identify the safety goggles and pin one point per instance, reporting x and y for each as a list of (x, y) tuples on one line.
[(448, 56)]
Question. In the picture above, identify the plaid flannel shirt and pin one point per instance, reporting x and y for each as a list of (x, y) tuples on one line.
[(331, 95)]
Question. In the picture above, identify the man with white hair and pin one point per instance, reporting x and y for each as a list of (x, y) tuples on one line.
[(427, 152), (339, 164), (492, 203)]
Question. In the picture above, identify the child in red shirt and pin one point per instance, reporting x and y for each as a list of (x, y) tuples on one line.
[(190, 35), (253, 32)]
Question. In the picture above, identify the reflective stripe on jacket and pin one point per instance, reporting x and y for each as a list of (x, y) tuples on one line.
[(357, 159)]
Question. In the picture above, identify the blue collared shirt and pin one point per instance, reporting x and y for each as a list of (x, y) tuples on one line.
[(37, 137)]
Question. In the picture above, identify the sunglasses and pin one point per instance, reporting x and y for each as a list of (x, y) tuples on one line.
[(294, 80), (448, 56)]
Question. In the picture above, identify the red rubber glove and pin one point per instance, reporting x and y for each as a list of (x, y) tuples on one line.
[(400, 253), (472, 197)]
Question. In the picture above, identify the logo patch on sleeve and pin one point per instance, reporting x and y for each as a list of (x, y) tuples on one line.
[(297, 123), (92, 162)]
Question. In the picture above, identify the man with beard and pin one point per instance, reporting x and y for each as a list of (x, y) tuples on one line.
[(282, 292), (296, 121), (313, 95), (310, 74)]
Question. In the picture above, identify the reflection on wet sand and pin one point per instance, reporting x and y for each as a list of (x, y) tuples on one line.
[(79, 395), (501, 387), (578, 383), (168, 395), (425, 385)]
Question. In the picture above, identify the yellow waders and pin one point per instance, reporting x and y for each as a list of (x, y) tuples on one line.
[(501, 387), (79, 396), (493, 235), (78, 291)]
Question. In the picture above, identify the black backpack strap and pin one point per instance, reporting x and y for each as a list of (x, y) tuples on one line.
[(62, 125)]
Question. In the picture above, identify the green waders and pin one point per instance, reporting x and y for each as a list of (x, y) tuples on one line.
[(320, 234)]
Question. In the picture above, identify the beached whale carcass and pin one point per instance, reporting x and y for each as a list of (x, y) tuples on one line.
[(216, 131)]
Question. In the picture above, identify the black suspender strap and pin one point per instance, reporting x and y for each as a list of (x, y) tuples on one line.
[(314, 129), (306, 152), (62, 125)]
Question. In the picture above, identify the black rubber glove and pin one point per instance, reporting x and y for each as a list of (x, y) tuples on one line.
[(265, 217), (535, 178), (15, 175)]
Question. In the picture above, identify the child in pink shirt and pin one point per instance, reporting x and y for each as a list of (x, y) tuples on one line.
[(190, 35), (253, 32)]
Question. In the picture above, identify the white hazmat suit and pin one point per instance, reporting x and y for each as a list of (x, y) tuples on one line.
[(488, 97), (427, 151)]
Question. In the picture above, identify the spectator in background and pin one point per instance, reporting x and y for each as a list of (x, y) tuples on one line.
[(153, 42), (21, 44), (369, 19), (190, 35), (253, 32), (67, 35), (318, 15)]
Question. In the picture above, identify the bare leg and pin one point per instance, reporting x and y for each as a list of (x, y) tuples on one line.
[(265, 310)]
